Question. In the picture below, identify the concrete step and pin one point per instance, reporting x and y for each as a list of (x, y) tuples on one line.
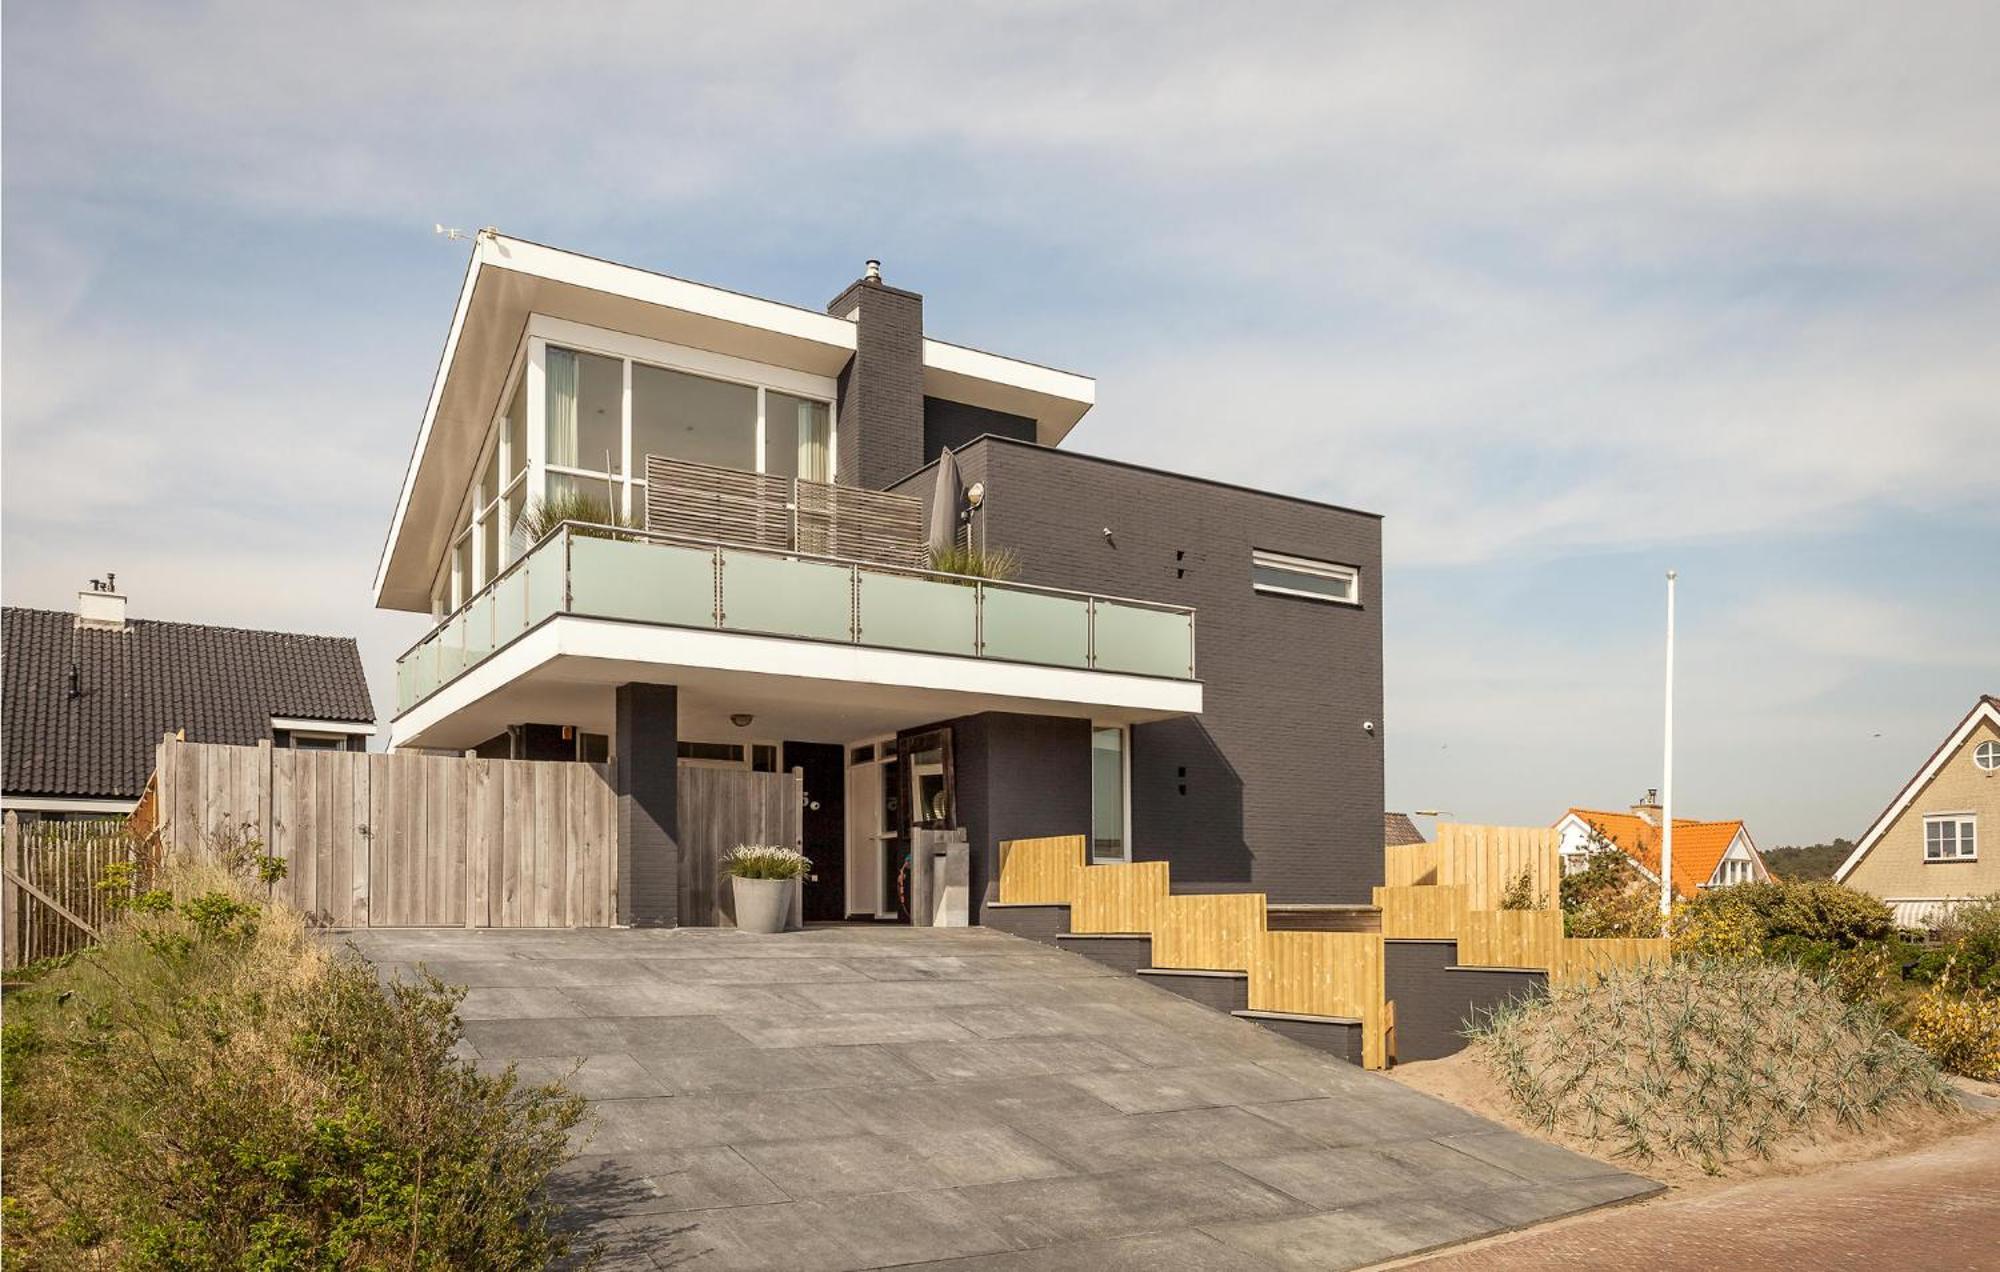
[(1437, 999), (1128, 952), (1221, 991), (1338, 1036), (1042, 923)]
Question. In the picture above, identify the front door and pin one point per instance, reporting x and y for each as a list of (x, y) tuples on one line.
[(825, 766)]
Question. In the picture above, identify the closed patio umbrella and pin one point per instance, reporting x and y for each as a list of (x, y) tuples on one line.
[(946, 496)]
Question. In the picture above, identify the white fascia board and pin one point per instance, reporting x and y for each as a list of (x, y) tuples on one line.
[(322, 726), (430, 415), (977, 364), (1904, 798), (666, 291), (25, 804), (574, 637)]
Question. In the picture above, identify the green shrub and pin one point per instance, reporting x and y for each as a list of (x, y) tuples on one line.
[(212, 1087), (1960, 1029), (1783, 920), (765, 861), (1968, 940), (1520, 894), (1708, 1061), (998, 564), (1609, 897), (588, 510)]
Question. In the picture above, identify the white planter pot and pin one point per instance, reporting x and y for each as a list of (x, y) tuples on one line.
[(762, 905)]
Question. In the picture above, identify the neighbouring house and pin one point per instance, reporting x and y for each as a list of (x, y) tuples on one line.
[(1922, 854), (1398, 830), (1707, 854), (787, 473), (89, 695)]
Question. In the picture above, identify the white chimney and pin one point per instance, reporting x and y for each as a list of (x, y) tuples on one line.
[(101, 606)]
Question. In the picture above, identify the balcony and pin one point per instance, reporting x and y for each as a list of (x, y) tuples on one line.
[(668, 580)]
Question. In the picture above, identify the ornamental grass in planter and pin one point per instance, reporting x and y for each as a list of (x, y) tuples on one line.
[(764, 878)]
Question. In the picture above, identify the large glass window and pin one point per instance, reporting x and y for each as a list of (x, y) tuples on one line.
[(1107, 794), (692, 417), (586, 411), (1951, 837), (795, 437)]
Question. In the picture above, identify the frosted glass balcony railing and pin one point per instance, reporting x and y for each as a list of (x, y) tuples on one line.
[(641, 577)]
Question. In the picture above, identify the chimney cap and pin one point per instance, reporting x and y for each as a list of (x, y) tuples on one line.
[(871, 271)]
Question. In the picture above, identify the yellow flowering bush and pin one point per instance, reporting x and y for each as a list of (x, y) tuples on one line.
[(1960, 1030)]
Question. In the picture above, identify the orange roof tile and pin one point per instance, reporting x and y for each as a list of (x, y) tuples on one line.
[(1698, 845)]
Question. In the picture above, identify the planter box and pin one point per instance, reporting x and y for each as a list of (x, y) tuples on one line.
[(763, 905)]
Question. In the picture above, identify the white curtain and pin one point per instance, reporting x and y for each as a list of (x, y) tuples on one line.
[(560, 372), (813, 429)]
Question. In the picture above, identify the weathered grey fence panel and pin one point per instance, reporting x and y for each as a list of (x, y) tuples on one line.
[(403, 840), (719, 809)]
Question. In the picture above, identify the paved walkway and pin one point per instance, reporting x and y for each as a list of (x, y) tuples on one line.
[(1934, 1209), (863, 1097)]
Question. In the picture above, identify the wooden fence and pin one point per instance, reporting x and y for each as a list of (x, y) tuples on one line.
[(1482, 859), (1299, 973), (404, 840), (719, 809), (1038, 871), (1325, 974), (52, 904), (1451, 890)]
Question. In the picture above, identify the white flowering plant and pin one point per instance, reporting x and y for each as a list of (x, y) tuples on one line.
[(765, 861)]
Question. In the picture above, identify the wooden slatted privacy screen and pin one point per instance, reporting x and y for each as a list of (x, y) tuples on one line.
[(728, 505), (1410, 865), (1582, 956), (1424, 912), (1041, 871), (1325, 974), (399, 839), (1118, 898), (719, 809), (1511, 938), (1485, 859), (1209, 931)]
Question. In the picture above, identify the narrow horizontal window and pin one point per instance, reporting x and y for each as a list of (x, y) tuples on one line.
[(1283, 575)]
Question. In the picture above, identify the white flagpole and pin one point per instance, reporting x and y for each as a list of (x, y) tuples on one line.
[(1667, 777)]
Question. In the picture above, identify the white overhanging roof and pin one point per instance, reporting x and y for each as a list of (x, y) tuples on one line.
[(510, 279)]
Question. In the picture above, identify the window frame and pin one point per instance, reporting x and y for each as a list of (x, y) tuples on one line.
[(1124, 732), (1286, 562), (1966, 829), (1990, 748)]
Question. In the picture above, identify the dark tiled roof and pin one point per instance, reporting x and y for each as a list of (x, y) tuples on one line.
[(221, 684), (1397, 828)]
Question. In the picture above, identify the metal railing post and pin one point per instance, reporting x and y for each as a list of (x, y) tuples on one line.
[(854, 603), (1090, 633), (716, 571), (569, 600), (979, 620)]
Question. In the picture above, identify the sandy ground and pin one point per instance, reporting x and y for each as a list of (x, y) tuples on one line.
[(1465, 1081)]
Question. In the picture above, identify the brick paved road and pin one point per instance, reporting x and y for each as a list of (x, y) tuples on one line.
[(1937, 1208)]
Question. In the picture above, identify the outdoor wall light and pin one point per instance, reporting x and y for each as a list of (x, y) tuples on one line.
[(1368, 727), (742, 719)]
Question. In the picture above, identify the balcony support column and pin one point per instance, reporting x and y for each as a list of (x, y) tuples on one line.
[(645, 780)]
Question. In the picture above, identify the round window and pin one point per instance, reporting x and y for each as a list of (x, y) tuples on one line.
[(1987, 755)]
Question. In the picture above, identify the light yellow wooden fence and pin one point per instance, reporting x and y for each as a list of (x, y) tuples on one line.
[(1325, 974), (1429, 912), (1041, 871), (1217, 932), (1511, 938), (1582, 956), (1118, 898), (1486, 859)]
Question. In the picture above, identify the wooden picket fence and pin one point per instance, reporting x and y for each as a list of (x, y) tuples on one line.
[(1336, 974), (1451, 890), (52, 903)]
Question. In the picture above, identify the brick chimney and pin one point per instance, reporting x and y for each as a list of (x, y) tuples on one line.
[(101, 606), (1648, 809), (880, 431)]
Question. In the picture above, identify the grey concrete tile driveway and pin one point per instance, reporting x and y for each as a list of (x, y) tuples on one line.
[(867, 1097)]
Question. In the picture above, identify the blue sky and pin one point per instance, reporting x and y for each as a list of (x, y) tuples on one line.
[(1569, 294)]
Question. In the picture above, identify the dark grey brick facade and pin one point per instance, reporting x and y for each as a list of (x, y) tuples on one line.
[(1018, 777), (645, 781), (1436, 999), (950, 425), (880, 432), (1276, 786)]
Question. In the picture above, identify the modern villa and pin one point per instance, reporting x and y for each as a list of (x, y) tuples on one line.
[(1189, 671)]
